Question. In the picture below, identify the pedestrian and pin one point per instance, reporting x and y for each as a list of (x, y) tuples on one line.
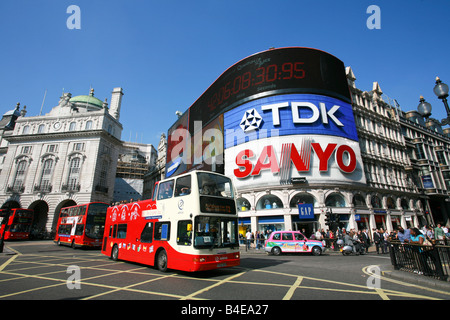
[(378, 239), (403, 235), (386, 241), (248, 236), (418, 238), (439, 232), (365, 239), (258, 243)]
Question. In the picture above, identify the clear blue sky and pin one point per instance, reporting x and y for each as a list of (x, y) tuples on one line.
[(165, 54)]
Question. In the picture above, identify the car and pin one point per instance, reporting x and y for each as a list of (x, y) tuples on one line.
[(292, 241)]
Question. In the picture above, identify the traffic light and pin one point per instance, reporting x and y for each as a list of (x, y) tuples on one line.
[(328, 218)]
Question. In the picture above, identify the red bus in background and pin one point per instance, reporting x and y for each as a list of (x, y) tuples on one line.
[(18, 225), (190, 224), (81, 225)]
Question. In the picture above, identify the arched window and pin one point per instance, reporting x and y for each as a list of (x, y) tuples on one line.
[(302, 198), (41, 128), (404, 204), (376, 202), (269, 201), (72, 126), (335, 200), (89, 125), (243, 204), (47, 169), (390, 203), (359, 201), (19, 177), (26, 130), (74, 174)]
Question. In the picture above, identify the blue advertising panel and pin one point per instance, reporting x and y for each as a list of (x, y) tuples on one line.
[(306, 211), (289, 114)]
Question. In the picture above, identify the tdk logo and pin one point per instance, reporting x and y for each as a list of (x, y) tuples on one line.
[(251, 120), (317, 112)]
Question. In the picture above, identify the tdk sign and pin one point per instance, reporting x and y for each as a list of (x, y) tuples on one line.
[(296, 114), (290, 114)]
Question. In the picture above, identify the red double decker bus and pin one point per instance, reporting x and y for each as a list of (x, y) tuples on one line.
[(81, 225), (18, 225), (190, 224)]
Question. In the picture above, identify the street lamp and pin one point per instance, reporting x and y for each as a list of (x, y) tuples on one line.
[(441, 91), (424, 108)]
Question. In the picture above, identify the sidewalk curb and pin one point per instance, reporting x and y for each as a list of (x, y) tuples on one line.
[(421, 280)]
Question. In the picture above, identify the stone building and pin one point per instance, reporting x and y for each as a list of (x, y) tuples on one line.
[(66, 157)]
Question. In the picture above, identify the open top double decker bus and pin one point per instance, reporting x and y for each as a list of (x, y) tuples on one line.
[(190, 224), (18, 225), (81, 225)]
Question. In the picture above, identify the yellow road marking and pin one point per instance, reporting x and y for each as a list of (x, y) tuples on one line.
[(192, 295), (291, 290)]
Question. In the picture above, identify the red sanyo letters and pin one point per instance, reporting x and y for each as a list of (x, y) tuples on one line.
[(345, 158)]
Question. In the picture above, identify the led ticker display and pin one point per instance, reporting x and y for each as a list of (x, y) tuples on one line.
[(277, 71)]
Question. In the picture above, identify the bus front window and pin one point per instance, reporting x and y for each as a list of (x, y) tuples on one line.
[(214, 185), (212, 232)]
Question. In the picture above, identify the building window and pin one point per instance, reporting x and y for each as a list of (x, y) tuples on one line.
[(19, 177), (302, 198), (104, 173), (89, 125), (376, 202), (41, 128), (26, 130), (46, 175), (269, 202), (359, 201), (335, 200), (26, 150), (74, 174), (72, 126), (52, 148), (78, 147)]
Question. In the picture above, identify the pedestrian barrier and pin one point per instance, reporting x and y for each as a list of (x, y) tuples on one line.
[(431, 261)]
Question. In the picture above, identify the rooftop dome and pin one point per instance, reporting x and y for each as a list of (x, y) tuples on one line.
[(87, 100)]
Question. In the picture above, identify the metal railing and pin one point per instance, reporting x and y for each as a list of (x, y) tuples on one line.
[(431, 261)]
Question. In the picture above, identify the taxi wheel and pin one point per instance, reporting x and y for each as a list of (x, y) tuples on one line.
[(316, 251), (276, 251)]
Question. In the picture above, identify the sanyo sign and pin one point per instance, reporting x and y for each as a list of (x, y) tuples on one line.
[(293, 135)]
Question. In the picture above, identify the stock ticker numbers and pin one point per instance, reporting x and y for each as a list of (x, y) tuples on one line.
[(264, 75), (272, 72)]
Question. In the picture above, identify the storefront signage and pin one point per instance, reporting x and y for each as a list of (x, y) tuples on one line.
[(306, 211)]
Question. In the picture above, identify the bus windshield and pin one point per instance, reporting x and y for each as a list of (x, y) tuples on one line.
[(214, 185), (95, 220), (215, 232)]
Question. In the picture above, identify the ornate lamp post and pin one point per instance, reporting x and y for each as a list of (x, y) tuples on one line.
[(441, 91)]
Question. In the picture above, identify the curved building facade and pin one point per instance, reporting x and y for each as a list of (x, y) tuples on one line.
[(289, 126)]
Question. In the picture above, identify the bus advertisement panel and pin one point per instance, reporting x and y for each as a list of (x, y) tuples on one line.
[(190, 224), (18, 225), (81, 225)]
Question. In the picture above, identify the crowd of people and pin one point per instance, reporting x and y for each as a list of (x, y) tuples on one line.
[(361, 238)]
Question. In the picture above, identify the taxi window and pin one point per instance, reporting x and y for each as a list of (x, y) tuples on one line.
[(276, 236), (287, 236), (299, 236)]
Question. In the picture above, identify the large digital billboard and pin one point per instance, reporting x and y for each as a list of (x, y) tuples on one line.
[(276, 93)]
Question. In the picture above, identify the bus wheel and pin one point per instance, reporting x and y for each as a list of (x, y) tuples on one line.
[(161, 261), (115, 253)]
